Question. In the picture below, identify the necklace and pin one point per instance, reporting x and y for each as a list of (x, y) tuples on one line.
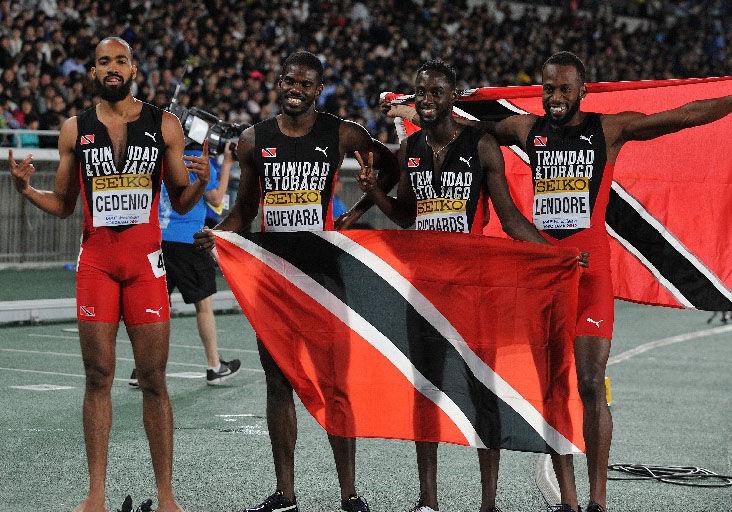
[(457, 132)]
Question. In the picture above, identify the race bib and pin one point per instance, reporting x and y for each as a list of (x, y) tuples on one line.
[(157, 263), (293, 210), (562, 203), (442, 215), (121, 199)]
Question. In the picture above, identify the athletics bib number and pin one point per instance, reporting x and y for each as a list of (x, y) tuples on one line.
[(293, 210), (119, 200), (562, 203), (157, 263), (442, 215)]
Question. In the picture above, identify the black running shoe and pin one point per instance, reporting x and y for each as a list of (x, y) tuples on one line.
[(595, 507), (226, 370), (275, 503), (126, 505), (145, 506), (562, 507), (355, 504), (133, 381)]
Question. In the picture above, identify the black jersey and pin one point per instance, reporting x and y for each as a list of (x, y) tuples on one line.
[(120, 195), (568, 164), (453, 198), (296, 174)]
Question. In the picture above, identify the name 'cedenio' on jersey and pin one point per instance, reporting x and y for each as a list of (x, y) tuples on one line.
[(297, 174)]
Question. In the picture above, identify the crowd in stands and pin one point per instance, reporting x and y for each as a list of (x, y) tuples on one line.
[(226, 53)]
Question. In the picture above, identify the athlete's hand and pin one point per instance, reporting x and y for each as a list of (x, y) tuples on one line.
[(366, 176), (21, 172), (400, 110), (203, 240), (199, 165), (348, 219), (584, 259)]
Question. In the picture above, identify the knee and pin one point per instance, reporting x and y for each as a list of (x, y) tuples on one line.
[(592, 387), (98, 377), (151, 380)]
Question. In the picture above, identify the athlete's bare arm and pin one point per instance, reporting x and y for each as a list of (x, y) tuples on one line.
[(246, 206), (626, 126), (60, 201), (402, 210), (355, 139), (513, 222), (183, 194), (215, 196)]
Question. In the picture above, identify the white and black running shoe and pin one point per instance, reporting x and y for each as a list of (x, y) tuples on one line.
[(133, 379), (226, 369), (355, 504)]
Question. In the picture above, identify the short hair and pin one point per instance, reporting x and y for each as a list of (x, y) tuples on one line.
[(567, 59), (306, 59), (441, 67), (116, 40)]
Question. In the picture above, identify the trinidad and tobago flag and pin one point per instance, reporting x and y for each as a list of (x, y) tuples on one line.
[(671, 200), (418, 335)]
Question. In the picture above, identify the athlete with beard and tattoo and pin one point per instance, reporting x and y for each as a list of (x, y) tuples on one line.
[(572, 155), (448, 171), (114, 154), (288, 166)]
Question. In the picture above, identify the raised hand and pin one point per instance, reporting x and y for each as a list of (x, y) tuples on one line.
[(199, 165), (366, 176), (21, 172)]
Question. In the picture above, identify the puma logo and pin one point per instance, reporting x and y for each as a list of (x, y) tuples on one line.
[(322, 150), (467, 162), (596, 322), (588, 139), (151, 135), (154, 311)]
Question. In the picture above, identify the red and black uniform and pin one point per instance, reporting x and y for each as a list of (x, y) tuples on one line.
[(572, 182), (297, 174), (452, 198), (121, 270)]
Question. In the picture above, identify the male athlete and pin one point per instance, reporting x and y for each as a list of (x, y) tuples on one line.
[(288, 165), (448, 171), (113, 154), (592, 141)]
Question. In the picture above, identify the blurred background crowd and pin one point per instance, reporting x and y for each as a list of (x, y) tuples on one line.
[(226, 53)]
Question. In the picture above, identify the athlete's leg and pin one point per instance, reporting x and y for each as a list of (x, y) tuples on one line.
[(98, 352), (591, 354), (427, 471), (344, 453), (207, 330), (564, 469), (488, 460), (150, 345), (281, 422)]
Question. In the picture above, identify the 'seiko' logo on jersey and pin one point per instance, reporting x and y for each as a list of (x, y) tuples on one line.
[(441, 214), (413, 162), (562, 203), (269, 152), (293, 210), (121, 199), (87, 139), (540, 140)]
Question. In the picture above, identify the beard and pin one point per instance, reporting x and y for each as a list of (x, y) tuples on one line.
[(561, 121), (112, 94)]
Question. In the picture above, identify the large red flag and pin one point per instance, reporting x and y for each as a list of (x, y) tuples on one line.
[(671, 200), (418, 335)]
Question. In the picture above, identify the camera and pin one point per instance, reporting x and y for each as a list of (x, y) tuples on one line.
[(199, 125)]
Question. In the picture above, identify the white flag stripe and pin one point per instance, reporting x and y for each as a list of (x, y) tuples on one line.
[(364, 329), (651, 268), (671, 239), (480, 369)]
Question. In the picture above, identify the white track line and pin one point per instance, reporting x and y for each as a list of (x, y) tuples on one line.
[(76, 338), (126, 359), (645, 347)]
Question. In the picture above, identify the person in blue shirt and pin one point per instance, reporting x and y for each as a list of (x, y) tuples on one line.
[(191, 271)]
